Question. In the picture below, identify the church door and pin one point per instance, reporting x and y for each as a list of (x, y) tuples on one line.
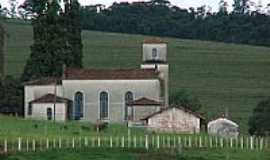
[(49, 114)]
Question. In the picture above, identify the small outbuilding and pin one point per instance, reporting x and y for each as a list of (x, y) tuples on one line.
[(49, 107), (174, 119), (223, 127)]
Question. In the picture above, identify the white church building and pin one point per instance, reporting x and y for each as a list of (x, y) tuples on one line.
[(110, 95)]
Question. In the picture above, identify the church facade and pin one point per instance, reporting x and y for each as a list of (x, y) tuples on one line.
[(111, 95)]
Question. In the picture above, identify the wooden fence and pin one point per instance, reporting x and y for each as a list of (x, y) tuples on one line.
[(146, 142)]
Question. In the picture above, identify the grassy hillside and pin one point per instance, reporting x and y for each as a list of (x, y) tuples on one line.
[(221, 75)]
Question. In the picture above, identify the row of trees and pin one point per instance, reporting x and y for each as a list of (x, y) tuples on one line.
[(159, 17)]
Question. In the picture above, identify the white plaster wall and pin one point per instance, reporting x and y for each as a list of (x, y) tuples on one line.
[(164, 75), (34, 92), (116, 90), (161, 52), (175, 120), (39, 111)]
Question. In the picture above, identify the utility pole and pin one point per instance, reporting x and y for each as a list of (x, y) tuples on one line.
[(54, 105)]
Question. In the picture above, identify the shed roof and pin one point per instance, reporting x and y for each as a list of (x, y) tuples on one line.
[(222, 120), (50, 98), (44, 81), (179, 108), (144, 102), (154, 40), (110, 74)]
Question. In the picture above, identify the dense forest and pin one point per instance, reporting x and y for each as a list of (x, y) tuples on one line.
[(161, 18)]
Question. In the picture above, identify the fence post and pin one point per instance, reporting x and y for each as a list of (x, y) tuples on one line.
[(111, 142), (134, 141), (34, 145), (19, 144), (98, 141), (123, 141), (242, 142), (261, 143), (251, 143), (231, 142), (146, 142), (27, 145), (85, 141), (158, 142), (5, 146), (73, 143), (169, 141), (174, 142), (200, 142), (47, 143), (189, 142), (60, 143)]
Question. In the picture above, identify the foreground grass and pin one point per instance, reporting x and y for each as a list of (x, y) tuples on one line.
[(118, 154), (221, 75), (12, 128)]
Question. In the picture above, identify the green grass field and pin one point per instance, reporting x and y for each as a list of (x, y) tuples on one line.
[(12, 128), (221, 75), (118, 154)]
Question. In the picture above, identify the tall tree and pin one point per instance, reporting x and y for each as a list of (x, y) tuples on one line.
[(241, 6), (183, 98), (11, 93), (223, 7), (1, 50), (13, 6), (57, 40), (72, 21), (259, 123), (2, 40)]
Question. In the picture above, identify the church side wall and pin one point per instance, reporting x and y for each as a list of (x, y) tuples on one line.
[(116, 90)]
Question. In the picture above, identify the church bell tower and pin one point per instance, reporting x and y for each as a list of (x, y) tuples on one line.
[(154, 55)]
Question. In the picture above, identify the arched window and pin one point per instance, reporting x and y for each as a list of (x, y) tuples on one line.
[(78, 106), (128, 99), (104, 108)]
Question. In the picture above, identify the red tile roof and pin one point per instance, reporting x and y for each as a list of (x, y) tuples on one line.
[(154, 40), (44, 81), (50, 98), (110, 74), (144, 102), (180, 108)]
